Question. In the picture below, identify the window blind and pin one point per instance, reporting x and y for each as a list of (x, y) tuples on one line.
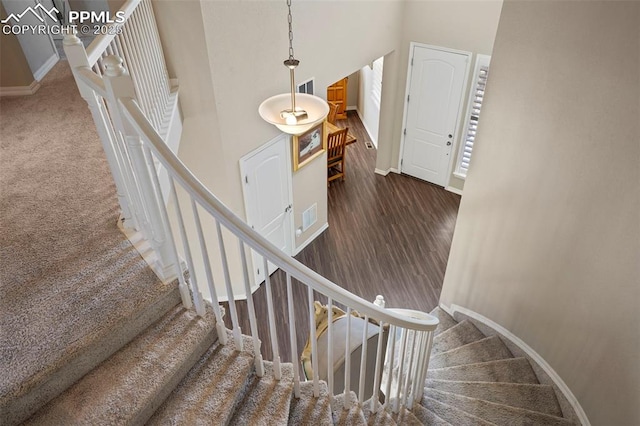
[(376, 85), (476, 96)]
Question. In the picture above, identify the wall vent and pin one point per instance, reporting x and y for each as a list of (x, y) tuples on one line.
[(309, 217)]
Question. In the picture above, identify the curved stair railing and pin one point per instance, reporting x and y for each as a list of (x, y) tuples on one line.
[(136, 150)]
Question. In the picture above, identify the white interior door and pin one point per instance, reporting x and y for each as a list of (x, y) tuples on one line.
[(433, 105), (266, 175)]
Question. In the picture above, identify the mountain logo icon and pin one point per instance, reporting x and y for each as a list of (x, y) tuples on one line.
[(34, 11)]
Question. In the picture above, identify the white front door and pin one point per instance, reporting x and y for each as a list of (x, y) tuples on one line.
[(266, 175), (433, 104)]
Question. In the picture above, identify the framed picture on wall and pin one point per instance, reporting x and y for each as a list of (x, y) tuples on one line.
[(309, 145)]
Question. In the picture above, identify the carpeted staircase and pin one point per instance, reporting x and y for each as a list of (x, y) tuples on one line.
[(177, 372)]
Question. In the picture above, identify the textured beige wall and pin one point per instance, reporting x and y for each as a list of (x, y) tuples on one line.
[(547, 241), (461, 25), (14, 68)]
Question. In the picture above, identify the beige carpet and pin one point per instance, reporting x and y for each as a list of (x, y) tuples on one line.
[(67, 274)]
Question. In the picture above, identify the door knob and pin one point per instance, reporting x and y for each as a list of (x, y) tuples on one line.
[(448, 143), (450, 135)]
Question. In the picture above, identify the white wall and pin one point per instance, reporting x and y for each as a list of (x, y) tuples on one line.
[(462, 25), (368, 109), (547, 241)]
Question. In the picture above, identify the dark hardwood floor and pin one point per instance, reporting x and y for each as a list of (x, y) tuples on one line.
[(387, 235)]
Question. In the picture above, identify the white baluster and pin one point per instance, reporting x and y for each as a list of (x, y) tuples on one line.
[(403, 345), (119, 85), (363, 360), (157, 46), (237, 333), (155, 54), (222, 333), (277, 370), (253, 322), (193, 279), (174, 257), (347, 364), (391, 346), (409, 374), (330, 348), (293, 338), (376, 379), (77, 56), (314, 343)]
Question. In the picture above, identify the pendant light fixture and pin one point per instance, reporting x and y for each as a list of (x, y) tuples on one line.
[(293, 113)]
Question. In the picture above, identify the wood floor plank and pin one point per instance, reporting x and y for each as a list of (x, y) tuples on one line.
[(387, 235)]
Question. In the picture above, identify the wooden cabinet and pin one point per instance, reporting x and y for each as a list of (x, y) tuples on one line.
[(337, 93)]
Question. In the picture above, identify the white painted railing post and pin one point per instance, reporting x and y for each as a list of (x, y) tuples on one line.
[(118, 84), (77, 57)]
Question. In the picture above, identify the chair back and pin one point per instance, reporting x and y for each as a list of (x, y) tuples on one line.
[(333, 111), (335, 144)]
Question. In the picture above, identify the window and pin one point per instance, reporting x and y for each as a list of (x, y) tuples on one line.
[(480, 75), (306, 87), (376, 85)]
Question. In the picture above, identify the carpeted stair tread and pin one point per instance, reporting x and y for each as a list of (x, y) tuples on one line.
[(129, 386), (534, 397), (267, 400), (405, 417), (451, 414), (309, 410), (212, 389), (354, 416), (460, 334), (380, 418), (446, 320), (511, 370), (74, 290), (428, 417), (488, 349), (501, 415)]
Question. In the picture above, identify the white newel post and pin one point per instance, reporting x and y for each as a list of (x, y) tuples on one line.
[(77, 57), (118, 84)]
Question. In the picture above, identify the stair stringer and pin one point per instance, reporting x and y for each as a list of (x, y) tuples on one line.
[(571, 409)]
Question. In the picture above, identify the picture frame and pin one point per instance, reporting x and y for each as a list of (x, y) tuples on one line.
[(309, 145)]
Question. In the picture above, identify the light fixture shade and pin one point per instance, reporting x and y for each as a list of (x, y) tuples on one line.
[(316, 108)]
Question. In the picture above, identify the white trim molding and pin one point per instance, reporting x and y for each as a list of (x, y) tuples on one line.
[(454, 190), (20, 90), (386, 172), (560, 385), (46, 67), (311, 238)]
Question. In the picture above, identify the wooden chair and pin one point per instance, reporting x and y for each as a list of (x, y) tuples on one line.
[(336, 155), (333, 111)]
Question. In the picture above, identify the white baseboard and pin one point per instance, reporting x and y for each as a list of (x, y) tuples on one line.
[(386, 172), (454, 190), (364, 124), (311, 238), (46, 67), (530, 352), (20, 90)]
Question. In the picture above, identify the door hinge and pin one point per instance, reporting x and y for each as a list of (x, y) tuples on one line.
[(408, 97), (411, 61), (405, 131), (401, 161), (246, 179), (258, 271)]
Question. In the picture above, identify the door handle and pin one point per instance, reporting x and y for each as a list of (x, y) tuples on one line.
[(448, 143), (287, 209)]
